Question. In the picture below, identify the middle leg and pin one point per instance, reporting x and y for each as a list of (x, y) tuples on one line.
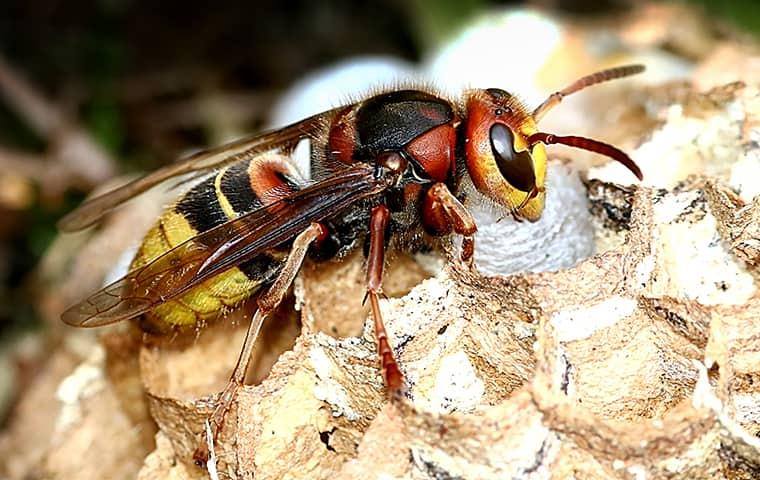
[(379, 221)]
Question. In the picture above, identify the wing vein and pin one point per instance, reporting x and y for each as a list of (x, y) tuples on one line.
[(225, 246)]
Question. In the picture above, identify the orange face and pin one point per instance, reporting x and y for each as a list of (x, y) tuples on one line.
[(497, 154)]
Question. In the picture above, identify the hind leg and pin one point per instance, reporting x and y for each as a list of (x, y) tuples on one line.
[(267, 302)]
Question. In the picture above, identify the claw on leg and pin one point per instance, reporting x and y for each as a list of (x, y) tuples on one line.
[(394, 379)]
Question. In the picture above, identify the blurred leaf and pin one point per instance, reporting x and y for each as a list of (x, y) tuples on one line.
[(437, 20), (743, 13), (103, 120)]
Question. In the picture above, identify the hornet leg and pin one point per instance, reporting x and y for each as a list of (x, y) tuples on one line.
[(267, 302), (457, 216), (394, 379)]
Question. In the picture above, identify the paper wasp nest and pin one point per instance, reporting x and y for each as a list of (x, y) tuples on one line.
[(640, 361)]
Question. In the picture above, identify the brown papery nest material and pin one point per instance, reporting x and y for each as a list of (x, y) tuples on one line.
[(641, 361)]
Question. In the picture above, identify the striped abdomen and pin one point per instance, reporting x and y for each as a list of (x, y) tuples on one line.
[(235, 190)]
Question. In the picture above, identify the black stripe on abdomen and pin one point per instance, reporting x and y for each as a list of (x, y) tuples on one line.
[(235, 185), (200, 206)]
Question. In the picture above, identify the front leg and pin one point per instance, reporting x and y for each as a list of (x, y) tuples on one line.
[(442, 213)]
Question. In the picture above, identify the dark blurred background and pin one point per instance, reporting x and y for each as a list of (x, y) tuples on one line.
[(91, 89)]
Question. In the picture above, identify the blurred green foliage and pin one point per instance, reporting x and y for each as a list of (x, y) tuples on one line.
[(742, 13), (437, 20)]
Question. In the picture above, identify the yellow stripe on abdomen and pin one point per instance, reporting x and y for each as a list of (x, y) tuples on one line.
[(233, 191), (202, 302)]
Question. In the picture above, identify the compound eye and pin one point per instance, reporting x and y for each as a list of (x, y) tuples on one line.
[(515, 167)]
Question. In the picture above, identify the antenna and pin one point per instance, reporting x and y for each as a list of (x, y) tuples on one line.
[(598, 77), (590, 145)]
